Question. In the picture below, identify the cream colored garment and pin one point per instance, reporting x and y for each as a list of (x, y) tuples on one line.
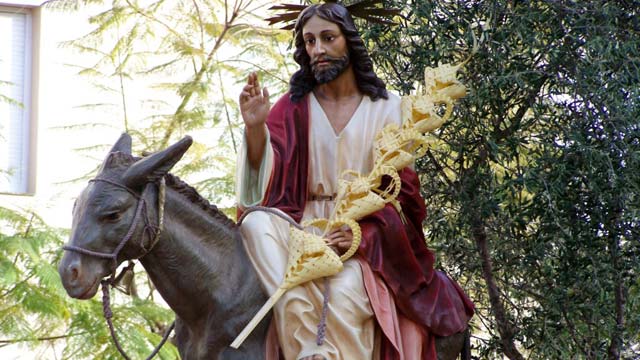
[(350, 330)]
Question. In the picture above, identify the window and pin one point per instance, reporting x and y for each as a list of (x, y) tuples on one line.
[(17, 121)]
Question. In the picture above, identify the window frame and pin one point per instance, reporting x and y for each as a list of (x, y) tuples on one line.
[(30, 96)]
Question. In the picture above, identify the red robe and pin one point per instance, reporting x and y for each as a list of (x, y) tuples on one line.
[(395, 251)]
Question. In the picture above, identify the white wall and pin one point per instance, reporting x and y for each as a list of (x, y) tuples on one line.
[(60, 92)]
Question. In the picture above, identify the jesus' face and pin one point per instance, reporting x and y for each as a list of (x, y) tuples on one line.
[(327, 48)]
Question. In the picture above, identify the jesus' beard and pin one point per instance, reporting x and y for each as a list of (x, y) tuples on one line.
[(331, 71)]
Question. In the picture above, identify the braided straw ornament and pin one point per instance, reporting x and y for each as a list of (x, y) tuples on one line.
[(358, 196), (397, 147)]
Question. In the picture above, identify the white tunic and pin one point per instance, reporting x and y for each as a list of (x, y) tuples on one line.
[(350, 328)]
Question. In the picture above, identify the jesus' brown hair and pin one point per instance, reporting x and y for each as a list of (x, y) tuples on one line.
[(303, 81)]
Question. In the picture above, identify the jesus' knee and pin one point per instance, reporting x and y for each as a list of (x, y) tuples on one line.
[(265, 239)]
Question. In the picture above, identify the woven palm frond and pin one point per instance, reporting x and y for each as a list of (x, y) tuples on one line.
[(309, 259)]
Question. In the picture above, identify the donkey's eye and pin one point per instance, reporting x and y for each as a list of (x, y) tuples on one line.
[(112, 216)]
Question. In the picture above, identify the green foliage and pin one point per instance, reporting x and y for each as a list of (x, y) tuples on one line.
[(35, 309), (6, 99), (532, 190)]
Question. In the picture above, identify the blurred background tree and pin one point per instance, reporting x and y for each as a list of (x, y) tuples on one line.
[(166, 69), (35, 309), (533, 188)]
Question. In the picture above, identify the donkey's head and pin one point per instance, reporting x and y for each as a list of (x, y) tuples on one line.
[(111, 214)]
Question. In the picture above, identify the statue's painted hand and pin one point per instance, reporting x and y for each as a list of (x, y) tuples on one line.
[(340, 239), (254, 103)]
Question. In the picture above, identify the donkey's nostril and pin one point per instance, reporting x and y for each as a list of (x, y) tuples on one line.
[(71, 272), (74, 273)]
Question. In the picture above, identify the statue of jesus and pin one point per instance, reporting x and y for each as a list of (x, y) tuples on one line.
[(388, 302)]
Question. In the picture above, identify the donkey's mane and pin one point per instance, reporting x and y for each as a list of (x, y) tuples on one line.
[(120, 159), (192, 195)]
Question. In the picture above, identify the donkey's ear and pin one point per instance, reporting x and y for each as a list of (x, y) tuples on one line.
[(123, 144), (155, 166)]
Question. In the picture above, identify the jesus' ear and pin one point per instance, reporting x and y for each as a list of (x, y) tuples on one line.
[(155, 166)]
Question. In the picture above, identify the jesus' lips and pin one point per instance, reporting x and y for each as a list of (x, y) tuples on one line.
[(324, 61)]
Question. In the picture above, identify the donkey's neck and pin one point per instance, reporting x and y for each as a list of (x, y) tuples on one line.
[(199, 265)]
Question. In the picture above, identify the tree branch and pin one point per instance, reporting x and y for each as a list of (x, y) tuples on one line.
[(613, 352), (497, 307), (439, 168), (226, 112), (44, 338), (203, 69)]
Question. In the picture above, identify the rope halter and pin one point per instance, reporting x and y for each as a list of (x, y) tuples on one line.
[(141, 210)]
